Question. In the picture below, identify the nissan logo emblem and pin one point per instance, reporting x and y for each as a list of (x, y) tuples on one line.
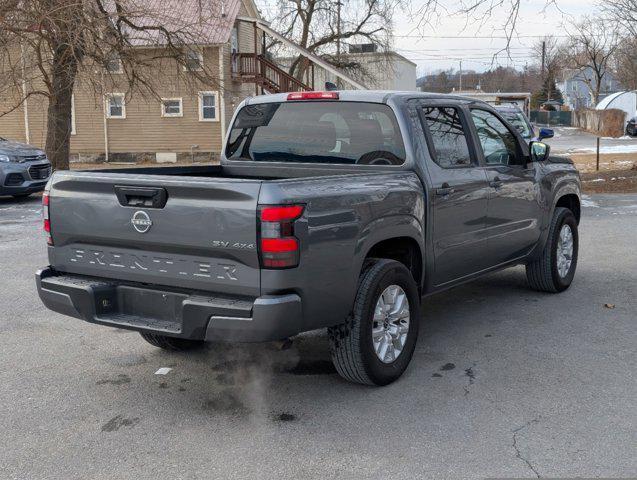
[(141, 221)]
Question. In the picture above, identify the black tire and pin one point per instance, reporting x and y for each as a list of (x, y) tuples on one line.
[(542, 274), (351, 343), (171, 343)]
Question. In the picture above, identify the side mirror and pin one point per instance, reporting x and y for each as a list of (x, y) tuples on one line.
[(539, 151), (545, 133)]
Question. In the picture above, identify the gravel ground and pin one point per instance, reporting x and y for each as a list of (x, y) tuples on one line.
[(505, 382)]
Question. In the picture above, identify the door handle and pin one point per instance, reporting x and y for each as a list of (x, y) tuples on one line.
[(141, 197), (495, 183), (445, 189)]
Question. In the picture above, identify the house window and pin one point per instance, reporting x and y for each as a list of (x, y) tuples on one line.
[(115, 106), (193, 61), (114, 64), (171, 107), (208, 105)]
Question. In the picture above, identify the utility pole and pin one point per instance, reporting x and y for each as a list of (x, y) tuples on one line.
[(461, 76)]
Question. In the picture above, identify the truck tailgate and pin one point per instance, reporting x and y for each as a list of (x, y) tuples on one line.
[(116, 225)]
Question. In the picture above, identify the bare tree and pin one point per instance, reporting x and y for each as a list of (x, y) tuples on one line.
[(46, 46), (591, 47), (624, 12), (626, 63), (322, 27)]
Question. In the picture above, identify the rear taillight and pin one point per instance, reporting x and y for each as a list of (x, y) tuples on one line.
[(278, 247), (46, 201)]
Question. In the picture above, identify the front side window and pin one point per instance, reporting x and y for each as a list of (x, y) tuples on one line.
[(171, 107), (208, 106), (499, 145), (449, 148), (317, 132), (115, 105)]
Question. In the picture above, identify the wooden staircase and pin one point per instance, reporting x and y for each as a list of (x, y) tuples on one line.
[(255, 68)]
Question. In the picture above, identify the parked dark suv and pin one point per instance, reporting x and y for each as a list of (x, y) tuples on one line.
[(24, 169)]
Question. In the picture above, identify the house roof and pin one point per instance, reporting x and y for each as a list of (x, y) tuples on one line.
[(197, 22)]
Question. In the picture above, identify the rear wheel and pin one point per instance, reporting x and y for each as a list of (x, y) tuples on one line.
[(554, 270), (377, 342), (171, 343)]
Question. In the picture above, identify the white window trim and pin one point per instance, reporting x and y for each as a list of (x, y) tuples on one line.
[(108, 107), (216, 95), (199, 55), (73, 131), (172, 115)]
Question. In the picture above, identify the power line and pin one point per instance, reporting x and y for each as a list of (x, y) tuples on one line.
[(497, 49), (488, 37)]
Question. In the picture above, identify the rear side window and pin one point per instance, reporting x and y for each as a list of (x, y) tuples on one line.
[(317, 132), (449, 148)]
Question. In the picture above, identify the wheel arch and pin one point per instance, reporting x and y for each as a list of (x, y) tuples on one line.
[(396, 237), (570, 201), (405, 250)]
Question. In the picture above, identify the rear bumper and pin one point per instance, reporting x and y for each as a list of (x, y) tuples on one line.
[(175, 313)]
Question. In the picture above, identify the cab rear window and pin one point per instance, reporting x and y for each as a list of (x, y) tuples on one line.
[(317, 132)]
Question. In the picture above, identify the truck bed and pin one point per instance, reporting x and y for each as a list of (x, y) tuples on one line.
[(206, 171)]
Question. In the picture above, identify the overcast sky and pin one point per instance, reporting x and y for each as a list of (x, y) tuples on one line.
[(440, 46), (446, 47)]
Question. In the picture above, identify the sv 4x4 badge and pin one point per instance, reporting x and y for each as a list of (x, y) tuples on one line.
[(238, 245)]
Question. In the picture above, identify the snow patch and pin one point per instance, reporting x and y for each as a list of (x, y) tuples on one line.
[(607, 149), (588, 202)]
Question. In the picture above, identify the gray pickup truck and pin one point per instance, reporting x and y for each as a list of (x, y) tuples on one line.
[(336, 210)]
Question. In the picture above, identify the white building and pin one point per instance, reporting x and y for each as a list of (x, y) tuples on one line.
[(376, 70)]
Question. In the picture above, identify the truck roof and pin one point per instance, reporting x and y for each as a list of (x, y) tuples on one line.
[(375, 96)]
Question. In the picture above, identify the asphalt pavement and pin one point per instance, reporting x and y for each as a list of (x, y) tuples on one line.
[(505, 382)]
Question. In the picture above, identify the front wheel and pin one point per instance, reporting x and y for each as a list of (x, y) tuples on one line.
[(377, 342), (554, 269)]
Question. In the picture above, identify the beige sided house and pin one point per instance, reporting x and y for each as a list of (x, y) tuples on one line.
[(188, 122)]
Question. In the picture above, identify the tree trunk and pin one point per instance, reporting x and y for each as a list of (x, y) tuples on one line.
[(598, 87), (58, 134)]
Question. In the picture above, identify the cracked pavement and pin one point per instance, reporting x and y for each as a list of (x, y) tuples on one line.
[(505, 382)]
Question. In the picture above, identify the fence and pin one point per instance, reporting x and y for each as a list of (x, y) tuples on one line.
[(603, 123), (561, 119)]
